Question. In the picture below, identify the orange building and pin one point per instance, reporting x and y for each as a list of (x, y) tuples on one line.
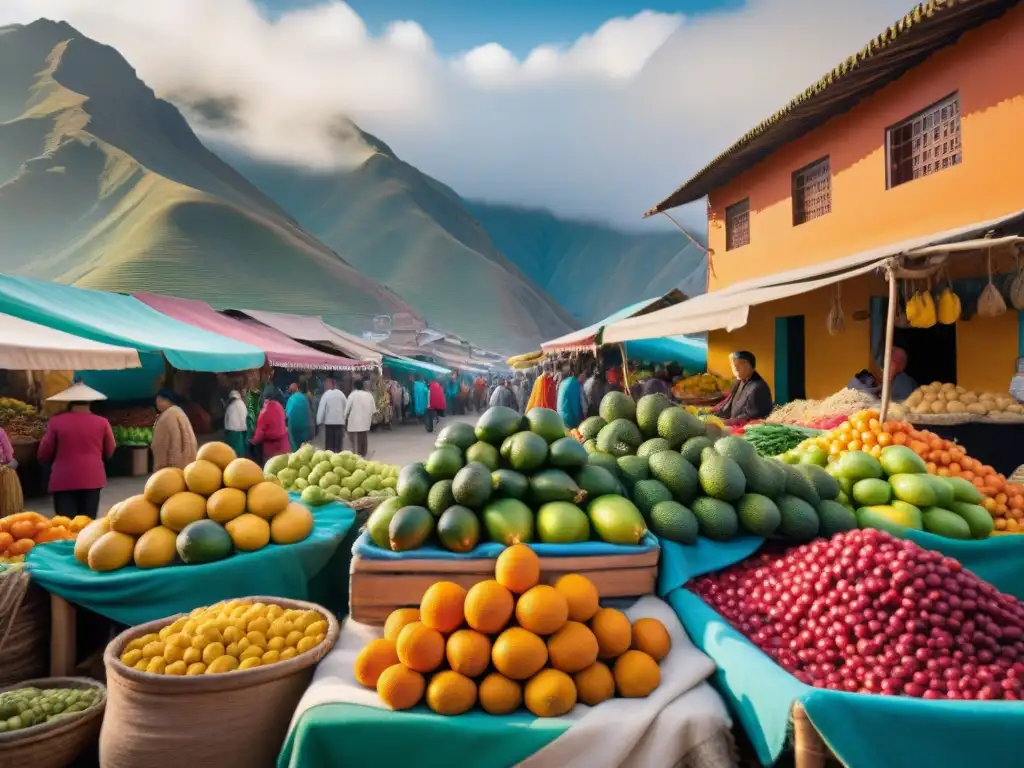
[(914, 140)]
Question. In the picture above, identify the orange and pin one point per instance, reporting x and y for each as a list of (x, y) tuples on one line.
[(376, 656), (498, 695), (581, 595), (517, 568), (400, 687), (542, 609), (468, 652), (518, 654), (651, 637), (420, 647), (572, 648), (489, 607), (613, 632), (636, 675), (397, 620), (550, 693), (594, 684), (450, 693), (442, 606)]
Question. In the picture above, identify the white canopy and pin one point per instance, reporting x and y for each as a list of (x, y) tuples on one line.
[(728, 309), (28, 346)]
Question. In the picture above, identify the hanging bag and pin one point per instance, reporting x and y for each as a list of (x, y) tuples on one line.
[(990, 303), (836, 319)]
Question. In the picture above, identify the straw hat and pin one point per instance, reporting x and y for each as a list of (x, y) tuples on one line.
[(77, 393)]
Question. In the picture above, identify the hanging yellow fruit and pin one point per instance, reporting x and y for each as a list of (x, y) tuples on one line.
[(949, 306)]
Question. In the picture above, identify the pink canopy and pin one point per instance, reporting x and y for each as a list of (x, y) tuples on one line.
[(282, 351)]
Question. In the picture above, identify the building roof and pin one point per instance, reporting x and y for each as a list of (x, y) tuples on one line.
[(926, 29)]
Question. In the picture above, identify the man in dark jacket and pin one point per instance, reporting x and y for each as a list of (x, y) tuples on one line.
[(750, 397)]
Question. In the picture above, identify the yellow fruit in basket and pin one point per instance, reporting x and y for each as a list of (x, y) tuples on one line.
[(594, 684), (111, 551), (249, 532), (306, 644), (177, 668), (293, 638), (221, 665), (163, 484), (266, 499), (518, 653), (212, 652), (396, 621), (420, 647), (134, 516), (468, 652), (636, 675), (225, 505), (173, 653), (155, 548), (291, 525), (488, 607), (203, 477), (498, 695), (581, 595), (372, 660), (442, 606), (542, 610), (550, 693), (131, 658), (400, 687), (220, 454), (613, 632), (249, 663), (242, 474), (252, 652), (271, 657), (517, 568), (156, 665), (181, 509), (572, 648), (89, 536), (450, 693), (290, 653), (192, 655), (196, 669), (651, 637)]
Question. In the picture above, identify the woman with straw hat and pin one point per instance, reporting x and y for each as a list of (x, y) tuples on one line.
[(76, 445)]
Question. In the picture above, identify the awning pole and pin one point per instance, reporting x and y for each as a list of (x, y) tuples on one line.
[(890, 326), (625, 369)]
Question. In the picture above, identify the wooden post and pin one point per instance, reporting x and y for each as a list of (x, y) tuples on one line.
[(63, 642), (809, 750), (625, 369), (890, 326)]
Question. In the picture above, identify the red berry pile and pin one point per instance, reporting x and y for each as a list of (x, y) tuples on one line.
[(869, 613)]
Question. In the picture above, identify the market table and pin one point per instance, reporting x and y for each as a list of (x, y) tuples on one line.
[(683, 722), (858, 728), (315, 569), (999, 445)]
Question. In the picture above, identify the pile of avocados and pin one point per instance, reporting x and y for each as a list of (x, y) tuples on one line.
[(509, 479)]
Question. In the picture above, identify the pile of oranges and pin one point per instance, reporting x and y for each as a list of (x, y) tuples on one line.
[(512, 641), (23, 530)]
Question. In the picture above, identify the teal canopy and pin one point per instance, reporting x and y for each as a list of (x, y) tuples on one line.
[(690, 353), (412, 365), (124, 321)]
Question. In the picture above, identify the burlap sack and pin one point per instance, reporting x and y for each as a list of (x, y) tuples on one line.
[(24, 629), (231, 720)]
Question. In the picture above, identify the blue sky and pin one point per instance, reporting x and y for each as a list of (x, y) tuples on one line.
[(518, 25)]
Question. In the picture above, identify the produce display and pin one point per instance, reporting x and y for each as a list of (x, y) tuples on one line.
[(811, 413), (865, 612), (20, 420), (129, 415), (227, 637), (25, 707), (23, 530), (701, 386), (134, 437), (510, 642), (937, 398), (773, 439), (324, 476), (217, 505), (514, 480), (527, 360)]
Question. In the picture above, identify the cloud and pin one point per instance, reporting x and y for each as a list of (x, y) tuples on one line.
[(602, 127)]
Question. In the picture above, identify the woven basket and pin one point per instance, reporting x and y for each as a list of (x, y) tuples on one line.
[(232, 720), (24, 628), (364, 507), (55, 744), (1003, 418), (12, 499), (942, 419)]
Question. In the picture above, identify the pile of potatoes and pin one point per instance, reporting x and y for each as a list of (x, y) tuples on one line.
[(939, 398)]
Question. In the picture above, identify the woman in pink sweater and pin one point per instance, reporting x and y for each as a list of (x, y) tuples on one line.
[(76, 445), (272, 430)]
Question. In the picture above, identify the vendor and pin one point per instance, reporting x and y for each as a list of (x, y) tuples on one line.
[(870, 380), (174, 441), (750, 398)]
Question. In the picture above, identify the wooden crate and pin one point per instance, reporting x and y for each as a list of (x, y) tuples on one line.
[(377, 587)]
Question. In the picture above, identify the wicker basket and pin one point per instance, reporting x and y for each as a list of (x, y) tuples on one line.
[(58, 743), (24, 628), (232, 720), (942, 419), (364, 508)]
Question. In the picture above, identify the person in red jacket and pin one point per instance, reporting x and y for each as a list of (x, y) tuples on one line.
[(272, 430), (436, 404), (76, 445)]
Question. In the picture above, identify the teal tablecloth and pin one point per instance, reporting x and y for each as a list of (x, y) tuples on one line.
[(308, 570), (350, 734), (367, 550)]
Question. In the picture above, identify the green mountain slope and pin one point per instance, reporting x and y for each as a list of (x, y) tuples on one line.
[(103, 185)]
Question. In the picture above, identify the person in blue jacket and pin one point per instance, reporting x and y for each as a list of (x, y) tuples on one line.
[(299, 414), (570, 401)]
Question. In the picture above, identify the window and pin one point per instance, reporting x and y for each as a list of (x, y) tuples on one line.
[(925, 143), (737, 225), (812, 191)]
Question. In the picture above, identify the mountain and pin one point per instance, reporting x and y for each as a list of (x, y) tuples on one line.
[(591, 269)]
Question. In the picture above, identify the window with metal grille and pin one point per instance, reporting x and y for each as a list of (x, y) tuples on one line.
[(925, 143), (737, 225), (812, 191)]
